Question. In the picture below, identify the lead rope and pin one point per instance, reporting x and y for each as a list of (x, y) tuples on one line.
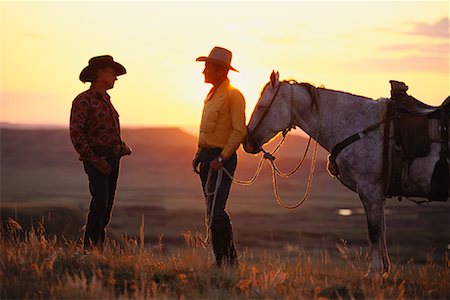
[(210, 211), (308, 186), (289, 174), (291, 125), (266, 155), (276, 172), (246, 182)]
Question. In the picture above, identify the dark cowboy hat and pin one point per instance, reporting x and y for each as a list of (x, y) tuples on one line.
[(219, 56), (99, 62)]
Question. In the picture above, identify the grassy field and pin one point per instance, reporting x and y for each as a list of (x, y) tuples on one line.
[(313, 251), (35, 265)]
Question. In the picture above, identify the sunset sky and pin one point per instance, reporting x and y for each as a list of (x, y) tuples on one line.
[(353, 46)]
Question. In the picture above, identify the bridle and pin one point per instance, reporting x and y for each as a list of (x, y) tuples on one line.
[(250, 133), (270, 156)]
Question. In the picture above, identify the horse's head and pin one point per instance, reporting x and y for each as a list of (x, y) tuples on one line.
[(272, 114)]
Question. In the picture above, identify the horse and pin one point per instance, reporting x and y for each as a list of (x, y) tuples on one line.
[(329, 117)]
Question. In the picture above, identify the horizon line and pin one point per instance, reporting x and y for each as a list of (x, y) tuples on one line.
[(191, 129)]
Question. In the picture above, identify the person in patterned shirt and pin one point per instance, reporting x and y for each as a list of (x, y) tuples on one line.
[(95, 134)]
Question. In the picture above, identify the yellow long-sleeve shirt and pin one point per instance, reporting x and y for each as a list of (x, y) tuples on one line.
[(223, 120)]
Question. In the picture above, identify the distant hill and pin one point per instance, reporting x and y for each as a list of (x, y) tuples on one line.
[(41, 165), (53, 146)]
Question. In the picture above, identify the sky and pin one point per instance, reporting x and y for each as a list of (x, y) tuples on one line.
[(352, 46)]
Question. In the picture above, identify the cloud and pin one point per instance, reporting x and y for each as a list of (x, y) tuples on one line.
[(412, 56), (439, 29), (423, 48), (418, 63)]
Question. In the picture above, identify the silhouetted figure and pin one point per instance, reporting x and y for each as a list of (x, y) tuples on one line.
[(95, 134), (222, 130)]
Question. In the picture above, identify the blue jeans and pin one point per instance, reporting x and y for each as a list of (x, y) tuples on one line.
[(221, 229), (102, 188), (206, 156)]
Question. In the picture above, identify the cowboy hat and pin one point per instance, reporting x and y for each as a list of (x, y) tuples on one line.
[(99, 62), (219, 56)]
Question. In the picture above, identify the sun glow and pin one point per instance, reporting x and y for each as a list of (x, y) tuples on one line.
[(250, 84), (335, 44)]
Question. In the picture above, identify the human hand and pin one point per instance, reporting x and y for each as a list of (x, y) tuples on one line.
[(195, 163), (102, 165), (126, 150), (216, 165)]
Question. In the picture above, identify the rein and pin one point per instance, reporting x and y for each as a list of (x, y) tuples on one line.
[(270, 156), (276, 172), (267, 155), (309, 183), (210, 210), (265, 111)]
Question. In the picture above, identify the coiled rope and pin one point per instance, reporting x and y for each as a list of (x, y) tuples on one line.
[(275, 172)]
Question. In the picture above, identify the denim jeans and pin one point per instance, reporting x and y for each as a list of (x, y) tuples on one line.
[(205, 157), (102, 188), (221, 228)]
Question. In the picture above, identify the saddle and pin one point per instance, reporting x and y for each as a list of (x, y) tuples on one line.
[(410, 119)]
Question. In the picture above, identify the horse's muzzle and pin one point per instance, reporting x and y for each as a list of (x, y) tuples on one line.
[(250, 146)]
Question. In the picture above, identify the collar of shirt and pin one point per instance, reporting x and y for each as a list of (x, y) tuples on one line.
[(220, 90), (96, 94)]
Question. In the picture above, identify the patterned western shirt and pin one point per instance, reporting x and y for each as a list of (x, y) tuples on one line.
[(94, 126)]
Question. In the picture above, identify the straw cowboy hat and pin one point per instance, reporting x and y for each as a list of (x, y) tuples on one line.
[(98, 62), (219, 56)]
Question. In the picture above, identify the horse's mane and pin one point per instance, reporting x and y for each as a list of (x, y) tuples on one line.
[(336, 91), (313, 91)]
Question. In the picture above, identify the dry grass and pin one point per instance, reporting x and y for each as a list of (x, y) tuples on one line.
[(34, 265)]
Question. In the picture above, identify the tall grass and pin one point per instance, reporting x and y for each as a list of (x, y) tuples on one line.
[(34, 265)]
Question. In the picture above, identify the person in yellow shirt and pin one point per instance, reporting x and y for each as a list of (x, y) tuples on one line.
[(222, 130)]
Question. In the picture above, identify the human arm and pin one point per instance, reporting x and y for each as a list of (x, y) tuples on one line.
[(79, 115), (237, 112), (196, 161), (125, 150), (78, 125)]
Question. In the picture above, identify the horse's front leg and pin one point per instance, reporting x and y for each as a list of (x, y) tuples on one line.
[(379, 258)]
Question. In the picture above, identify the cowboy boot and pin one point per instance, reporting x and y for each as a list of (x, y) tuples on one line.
[(232, 255), (230, 250), (217, 242), (222, 239)]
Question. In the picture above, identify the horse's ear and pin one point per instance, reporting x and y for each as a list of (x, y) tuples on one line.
[(274, 78)]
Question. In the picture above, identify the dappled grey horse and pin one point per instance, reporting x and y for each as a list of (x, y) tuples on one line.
[(330, 117)]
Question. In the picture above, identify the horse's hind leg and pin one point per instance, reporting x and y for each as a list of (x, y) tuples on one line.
[(374, 208)]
